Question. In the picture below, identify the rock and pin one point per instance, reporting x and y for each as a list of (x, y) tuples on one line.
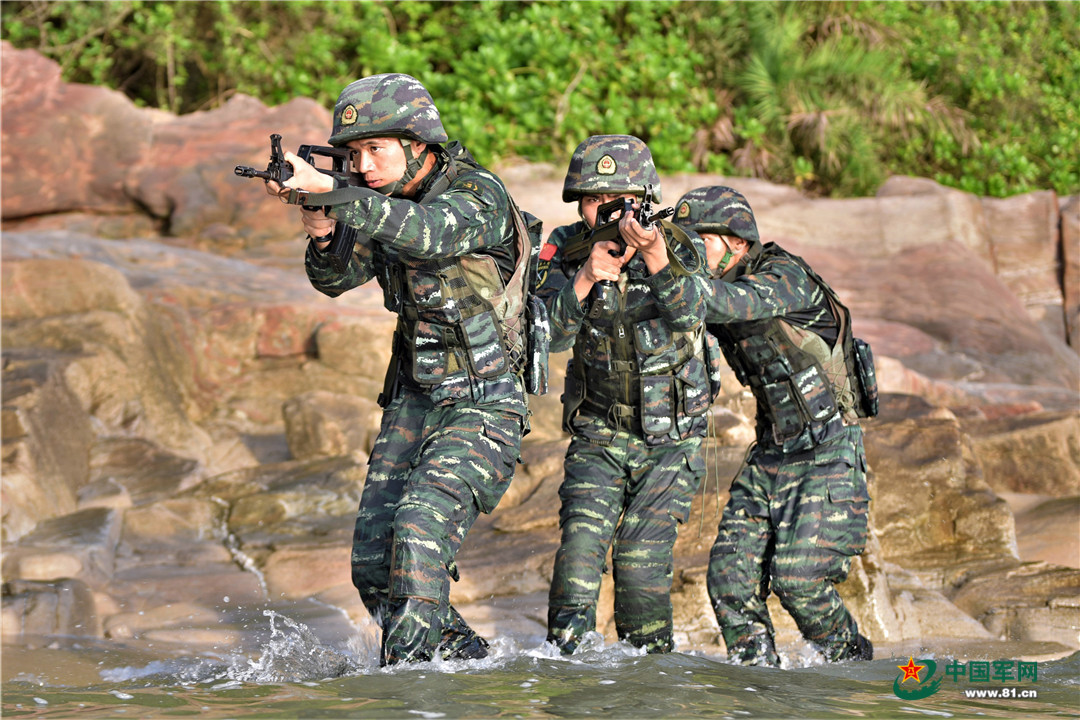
[(1070, 261), (320, 424), (299, 571), (64, 607), (930, 506), (1046, 531), (1026, 243), (46, 440), (540, 510), (356, 346), (146, 472), (80, 545), (1029, 453), (539, 460), (128, 372), (97, 135), (922, 612), (176, 522), (155, 385), (122, 626), (1024, 601), (496, 564), (211, 585)]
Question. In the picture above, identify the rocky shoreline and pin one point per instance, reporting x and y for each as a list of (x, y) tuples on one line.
[(186, 421)]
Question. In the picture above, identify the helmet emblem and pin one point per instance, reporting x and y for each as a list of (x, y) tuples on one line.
[(683, 211), (348, 115), (606, 165)]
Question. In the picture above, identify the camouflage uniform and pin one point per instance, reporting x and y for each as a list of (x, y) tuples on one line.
[(636, 398), (454, 406), (798, 508)]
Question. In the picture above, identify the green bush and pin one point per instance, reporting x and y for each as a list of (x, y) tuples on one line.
[(831, 97)]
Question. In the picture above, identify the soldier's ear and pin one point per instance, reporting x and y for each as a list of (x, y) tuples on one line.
[(736, 243)]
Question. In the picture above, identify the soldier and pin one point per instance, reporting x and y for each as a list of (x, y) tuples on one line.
[(798, 507), (437, 232), (636, 398)]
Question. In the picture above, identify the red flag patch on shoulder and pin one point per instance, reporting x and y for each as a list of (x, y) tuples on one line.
[(548, 251)]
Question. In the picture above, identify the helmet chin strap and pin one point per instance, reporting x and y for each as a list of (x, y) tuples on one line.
[(413, 164)]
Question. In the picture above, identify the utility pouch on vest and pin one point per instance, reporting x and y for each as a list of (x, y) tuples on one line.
[(814, 394), (785, 409), (867, 378), (485, 351), (538, 332), (657, 404), (694, 387), (431, 347), (714, 358)]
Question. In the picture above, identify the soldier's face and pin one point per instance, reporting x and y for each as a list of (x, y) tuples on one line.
[(381, 160), (590, 204), (717, 246)]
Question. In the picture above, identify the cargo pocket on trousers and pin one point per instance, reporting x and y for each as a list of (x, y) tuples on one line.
[(844, 523), (501, 450)]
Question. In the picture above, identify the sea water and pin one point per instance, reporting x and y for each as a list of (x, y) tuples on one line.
[(294, 674)]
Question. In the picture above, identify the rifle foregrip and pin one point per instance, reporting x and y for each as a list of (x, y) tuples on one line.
[(341, 246)]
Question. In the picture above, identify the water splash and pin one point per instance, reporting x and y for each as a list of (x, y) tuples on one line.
[(292, 654)]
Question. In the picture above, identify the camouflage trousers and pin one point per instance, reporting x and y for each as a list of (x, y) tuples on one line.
[(432, 471), (636, 494), (793, 522)]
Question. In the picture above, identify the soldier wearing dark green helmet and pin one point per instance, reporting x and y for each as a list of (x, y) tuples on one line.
[(798, 507), (636, 398), (442, 237), (612, 164)]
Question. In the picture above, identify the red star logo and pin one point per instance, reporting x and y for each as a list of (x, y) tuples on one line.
[(911, 670)]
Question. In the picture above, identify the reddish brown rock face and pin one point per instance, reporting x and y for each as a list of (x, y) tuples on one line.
[(176, 392)]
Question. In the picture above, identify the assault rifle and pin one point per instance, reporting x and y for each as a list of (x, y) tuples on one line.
[(577, 249), (279, 170)]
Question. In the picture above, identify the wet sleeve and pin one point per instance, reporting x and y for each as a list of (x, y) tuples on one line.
[(680, 297), (775, 290), (326, 280), (473, 213), (556, 290)]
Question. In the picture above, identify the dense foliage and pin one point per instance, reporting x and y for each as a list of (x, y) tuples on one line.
[(832, 97)]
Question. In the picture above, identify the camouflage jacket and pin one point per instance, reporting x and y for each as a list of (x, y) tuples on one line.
[(638, 347), (438, 261), (776, 329)]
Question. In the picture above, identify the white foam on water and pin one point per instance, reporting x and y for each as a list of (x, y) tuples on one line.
[(292, 654), (924, 711)]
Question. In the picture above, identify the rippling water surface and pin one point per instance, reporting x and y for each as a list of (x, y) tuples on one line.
[(294, 675)]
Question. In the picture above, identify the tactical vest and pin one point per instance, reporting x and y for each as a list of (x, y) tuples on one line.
[(632, 369), (805, 390), (461, 331)]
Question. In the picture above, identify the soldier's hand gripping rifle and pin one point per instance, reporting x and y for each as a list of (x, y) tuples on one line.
[(279, 170), (577, 249)]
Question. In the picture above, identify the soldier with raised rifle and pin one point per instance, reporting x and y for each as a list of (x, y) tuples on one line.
[(620, 291), (799, 506), (444, 240)]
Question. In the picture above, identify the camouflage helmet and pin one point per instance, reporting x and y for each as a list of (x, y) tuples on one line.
[(394, 105), (610, 164), (717, 209)]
